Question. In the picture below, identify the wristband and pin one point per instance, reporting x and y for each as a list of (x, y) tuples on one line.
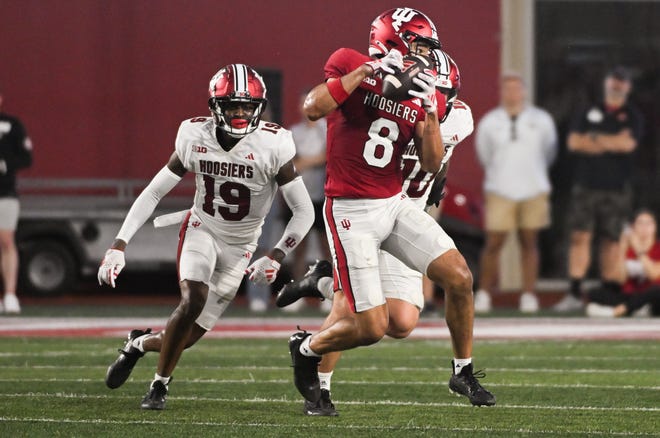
[(337, 91)]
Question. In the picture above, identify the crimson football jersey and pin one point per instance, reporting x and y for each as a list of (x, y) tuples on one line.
[(367, 135)]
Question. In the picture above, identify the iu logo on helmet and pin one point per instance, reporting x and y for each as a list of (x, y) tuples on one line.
[(402, 15), (346, 224)]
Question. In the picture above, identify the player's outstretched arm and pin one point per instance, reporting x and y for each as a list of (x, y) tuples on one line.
[(143, 207), (265, 269)]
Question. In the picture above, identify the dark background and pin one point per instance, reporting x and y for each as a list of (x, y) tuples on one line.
[(576, 43)]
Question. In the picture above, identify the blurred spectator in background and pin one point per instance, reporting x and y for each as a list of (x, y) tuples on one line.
[(638, 270), (602, 139), (15, 154), (516, 143), (310, 139)]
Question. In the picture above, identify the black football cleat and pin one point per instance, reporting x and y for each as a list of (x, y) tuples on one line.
[(121, 368), (306, 287), (322, 408), (305, 368), (466, 384), (156, 397)]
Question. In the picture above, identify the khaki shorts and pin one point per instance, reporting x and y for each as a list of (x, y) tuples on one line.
[(9, 209), (504, 214)]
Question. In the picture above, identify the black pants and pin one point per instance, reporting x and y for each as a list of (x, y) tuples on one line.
[(610, 296)]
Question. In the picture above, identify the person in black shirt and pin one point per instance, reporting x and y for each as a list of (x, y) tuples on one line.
[(15, 153), (602, 138)]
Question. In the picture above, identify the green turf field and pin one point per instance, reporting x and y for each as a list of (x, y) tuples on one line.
[(54, 387)]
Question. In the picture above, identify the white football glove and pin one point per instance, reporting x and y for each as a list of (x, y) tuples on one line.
[(111, 266), (263, 271), (427, 93), (388, 63)]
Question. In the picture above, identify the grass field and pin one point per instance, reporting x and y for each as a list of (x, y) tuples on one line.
[(54, 387)]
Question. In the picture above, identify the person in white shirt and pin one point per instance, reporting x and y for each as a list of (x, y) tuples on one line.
[(516, 143)]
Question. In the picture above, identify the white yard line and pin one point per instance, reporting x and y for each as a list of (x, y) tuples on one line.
[(262, 426), (486, 328), (346, 402), (361, 382)]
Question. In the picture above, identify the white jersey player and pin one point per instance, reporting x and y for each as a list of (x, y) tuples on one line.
[(239, 161), (398, 280)]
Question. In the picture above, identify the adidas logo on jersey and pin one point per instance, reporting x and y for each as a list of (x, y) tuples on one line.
[(249, 156)]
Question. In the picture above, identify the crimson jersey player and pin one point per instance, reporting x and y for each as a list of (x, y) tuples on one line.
[(365, 210), (363, 151)]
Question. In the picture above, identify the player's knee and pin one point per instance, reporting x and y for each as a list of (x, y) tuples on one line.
[(459, 281), (398, 331), (193, 298)]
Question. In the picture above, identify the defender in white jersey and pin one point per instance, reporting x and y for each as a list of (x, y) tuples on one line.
[(239, 161)]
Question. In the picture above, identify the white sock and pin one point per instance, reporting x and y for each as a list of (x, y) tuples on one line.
[(306, 350), (460, 363), (164, 380), (139, 342), (325, 379), (326, 286)]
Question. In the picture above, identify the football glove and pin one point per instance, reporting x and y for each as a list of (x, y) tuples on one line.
[(389, 63), (263, 271), (111, 266), (437, 192), (426, 83)]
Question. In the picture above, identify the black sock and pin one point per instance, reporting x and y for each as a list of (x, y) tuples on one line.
[(576, 287), (611, 286)]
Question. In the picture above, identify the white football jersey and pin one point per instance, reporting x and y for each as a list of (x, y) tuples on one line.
[(235, 188), (417, 183)]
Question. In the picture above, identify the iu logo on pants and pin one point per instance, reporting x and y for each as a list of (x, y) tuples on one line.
[(346, 224)]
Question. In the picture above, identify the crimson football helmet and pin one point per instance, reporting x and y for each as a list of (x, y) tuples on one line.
[(235, 84), (397, 28), (448, 79)]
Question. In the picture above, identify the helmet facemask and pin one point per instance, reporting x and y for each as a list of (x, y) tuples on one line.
[(237, 116), (448, 80)]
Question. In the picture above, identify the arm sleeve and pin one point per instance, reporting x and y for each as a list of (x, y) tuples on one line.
[(145, 204), (296, 197)]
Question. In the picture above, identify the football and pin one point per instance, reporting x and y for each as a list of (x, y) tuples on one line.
[(396, 85)]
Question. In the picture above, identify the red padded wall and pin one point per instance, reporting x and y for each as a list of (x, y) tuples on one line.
[(103, 85)]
